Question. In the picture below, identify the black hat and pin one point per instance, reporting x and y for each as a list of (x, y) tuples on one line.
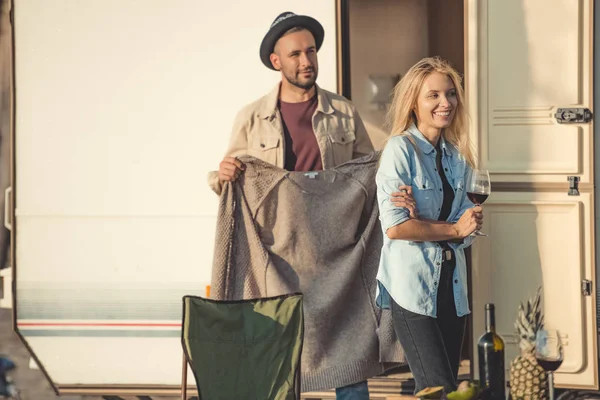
[(283, 23)]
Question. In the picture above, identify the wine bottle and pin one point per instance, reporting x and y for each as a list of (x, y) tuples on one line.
[(491, 357)]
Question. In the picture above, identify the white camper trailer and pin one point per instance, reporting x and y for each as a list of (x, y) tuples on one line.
[(122, 107)]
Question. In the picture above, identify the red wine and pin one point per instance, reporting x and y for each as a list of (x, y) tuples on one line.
[(491, 357), (549, 365), (477, 198)]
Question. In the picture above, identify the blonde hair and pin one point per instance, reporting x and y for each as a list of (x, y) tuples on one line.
[(401, 113)]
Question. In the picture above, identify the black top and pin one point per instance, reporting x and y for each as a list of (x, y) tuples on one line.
[(448, 193)]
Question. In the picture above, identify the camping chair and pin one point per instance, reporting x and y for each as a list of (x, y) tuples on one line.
[(245, 349)]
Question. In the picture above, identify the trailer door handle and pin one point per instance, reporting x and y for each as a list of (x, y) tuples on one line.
[(7, 209)]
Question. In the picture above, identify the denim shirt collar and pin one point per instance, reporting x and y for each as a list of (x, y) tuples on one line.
[(423, 143)]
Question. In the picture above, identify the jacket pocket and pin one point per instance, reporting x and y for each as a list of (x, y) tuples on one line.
[(342, 142), (264, 143), (342, 137), (264, 148)]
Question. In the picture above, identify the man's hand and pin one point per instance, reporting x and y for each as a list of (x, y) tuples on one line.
[(470, 221), (404, 198), (230, 169)]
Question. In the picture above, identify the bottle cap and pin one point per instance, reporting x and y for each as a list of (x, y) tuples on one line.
[(489, 306)]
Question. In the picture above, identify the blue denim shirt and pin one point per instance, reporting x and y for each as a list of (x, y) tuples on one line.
[(409, 271)]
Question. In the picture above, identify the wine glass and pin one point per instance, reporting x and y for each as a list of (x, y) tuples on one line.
[(549, 354), (478, 190)]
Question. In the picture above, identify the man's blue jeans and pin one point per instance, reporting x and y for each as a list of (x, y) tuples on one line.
[(356, 391)]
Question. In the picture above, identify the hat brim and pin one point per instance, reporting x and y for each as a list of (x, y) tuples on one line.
[(268, 42)]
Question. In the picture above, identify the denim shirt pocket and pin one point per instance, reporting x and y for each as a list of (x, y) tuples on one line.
[(423, 192)]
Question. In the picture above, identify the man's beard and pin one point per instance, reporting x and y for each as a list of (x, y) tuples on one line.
[(306, 85)]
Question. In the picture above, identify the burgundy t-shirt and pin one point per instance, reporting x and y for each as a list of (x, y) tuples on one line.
[(302, 151)]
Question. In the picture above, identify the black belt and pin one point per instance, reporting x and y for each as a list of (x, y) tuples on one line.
[(447, 254)]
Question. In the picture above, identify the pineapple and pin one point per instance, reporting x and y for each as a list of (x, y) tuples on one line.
[(528, 380)]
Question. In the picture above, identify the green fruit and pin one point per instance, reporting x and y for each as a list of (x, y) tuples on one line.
[(466, 391), (464, 386), (431, 393)]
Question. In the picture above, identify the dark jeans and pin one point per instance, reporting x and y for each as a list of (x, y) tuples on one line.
[(357, 391), (433, 345)]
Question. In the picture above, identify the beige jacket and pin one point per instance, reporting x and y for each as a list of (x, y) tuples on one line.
[(258, 132)]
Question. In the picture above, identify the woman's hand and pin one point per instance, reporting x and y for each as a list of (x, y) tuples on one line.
[(470, 221), (404, 198)]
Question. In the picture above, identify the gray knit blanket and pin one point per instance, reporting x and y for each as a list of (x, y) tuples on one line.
[(318, 233)]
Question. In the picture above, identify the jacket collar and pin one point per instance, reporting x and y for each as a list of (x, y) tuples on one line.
[(269, 106), (423, 143)]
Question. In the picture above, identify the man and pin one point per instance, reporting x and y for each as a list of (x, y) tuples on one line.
[(298, 126)]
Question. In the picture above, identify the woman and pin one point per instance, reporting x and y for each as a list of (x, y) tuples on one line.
[(422, 272)]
